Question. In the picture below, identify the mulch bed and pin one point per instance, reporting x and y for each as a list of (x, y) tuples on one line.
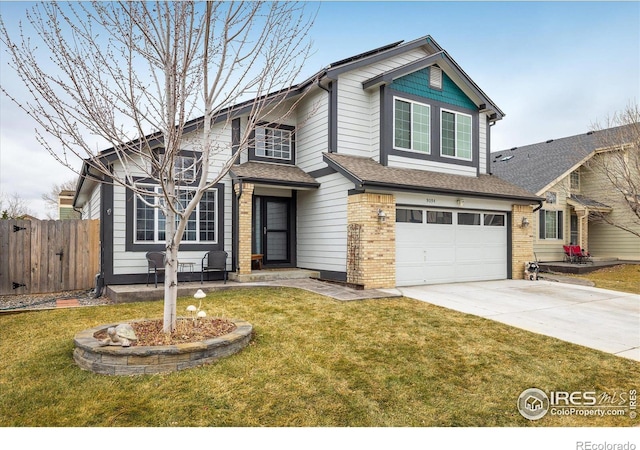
[(149, 332)]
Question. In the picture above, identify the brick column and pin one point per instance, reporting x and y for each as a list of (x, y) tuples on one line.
[(245, 209), (521, 239), (371, 244)]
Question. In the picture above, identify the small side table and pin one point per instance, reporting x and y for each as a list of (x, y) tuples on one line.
[(256, 260), (183, 266)]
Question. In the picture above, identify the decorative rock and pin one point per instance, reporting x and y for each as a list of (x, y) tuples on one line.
[(121, 335), (125, 330)]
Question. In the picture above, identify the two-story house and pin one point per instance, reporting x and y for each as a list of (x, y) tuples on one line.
[(381, 178), (580, 202)]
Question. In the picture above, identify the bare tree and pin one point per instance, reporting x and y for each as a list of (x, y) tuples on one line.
[(51, 198), (13, 206), (616, 166), (138, 75)]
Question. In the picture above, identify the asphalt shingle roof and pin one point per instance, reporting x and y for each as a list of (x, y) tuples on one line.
[(367, 172), (535, 166), (270, 173)]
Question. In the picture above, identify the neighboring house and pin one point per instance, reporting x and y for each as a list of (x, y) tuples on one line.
[(65, 206), (563, 171), (380, 179)]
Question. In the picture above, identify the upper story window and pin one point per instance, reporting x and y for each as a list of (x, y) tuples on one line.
[(184, 166), (455, 136), (575, 180), (273, 143), (412, 126)]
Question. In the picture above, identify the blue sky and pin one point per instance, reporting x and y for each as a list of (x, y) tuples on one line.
[(554, 68)]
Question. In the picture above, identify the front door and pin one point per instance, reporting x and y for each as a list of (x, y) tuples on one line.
[(271, 230)]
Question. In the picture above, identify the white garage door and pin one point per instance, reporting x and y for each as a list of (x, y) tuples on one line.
[(436, 246)]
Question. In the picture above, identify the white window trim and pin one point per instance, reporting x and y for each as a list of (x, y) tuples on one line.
[(411, 102), (456, 113), (575, 173), (155, 189), (557, 227), (289, 133), (189, 170)]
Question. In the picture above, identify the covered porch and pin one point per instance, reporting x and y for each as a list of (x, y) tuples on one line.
[(582, 210), (265, 212)]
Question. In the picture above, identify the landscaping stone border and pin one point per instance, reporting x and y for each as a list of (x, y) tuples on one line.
[(140, 360)]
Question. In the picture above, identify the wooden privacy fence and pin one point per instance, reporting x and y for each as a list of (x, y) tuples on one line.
[(48, 256)]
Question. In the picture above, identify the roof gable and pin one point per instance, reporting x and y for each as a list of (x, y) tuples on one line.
[(536, 166), (417, 83)]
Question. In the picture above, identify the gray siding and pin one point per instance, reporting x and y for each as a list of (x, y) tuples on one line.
[(322, 225)]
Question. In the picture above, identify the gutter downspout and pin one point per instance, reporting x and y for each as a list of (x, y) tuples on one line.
[(236, 227), (330, 112)]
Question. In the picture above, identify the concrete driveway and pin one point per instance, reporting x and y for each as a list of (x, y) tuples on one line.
[(596, 318)]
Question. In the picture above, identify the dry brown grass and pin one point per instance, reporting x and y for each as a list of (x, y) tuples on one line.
[(313, 362), (624, 277)]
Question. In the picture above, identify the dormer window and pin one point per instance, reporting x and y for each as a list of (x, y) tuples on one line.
[(273, 143), (435, 77)]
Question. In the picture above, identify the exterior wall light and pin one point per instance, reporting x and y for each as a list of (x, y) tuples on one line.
[(381, 216), (460, 202), (525, 222)]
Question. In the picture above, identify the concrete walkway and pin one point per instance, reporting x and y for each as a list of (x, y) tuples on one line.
[(136, 292), (596, 318)]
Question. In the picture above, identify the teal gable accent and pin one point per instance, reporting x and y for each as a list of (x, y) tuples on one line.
[(417, 83)]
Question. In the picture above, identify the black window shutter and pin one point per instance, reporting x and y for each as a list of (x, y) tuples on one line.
[(542, 223), (560, 227)]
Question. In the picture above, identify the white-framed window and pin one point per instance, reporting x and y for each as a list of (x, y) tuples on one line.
[(411, 125), (150, 222), (185, 168), (455, 134), (550, 226), (574, 180), (273, 142)]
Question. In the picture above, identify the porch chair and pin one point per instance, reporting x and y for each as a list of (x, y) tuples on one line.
[(568, 253), (214, 261), (155, 264), (581, 256)]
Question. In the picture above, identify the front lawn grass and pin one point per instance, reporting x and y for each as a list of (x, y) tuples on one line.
[(624, 277), (313, 362)]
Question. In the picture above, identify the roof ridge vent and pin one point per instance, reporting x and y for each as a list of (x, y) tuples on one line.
[(513, 148), (549, 141), (589, 133)]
